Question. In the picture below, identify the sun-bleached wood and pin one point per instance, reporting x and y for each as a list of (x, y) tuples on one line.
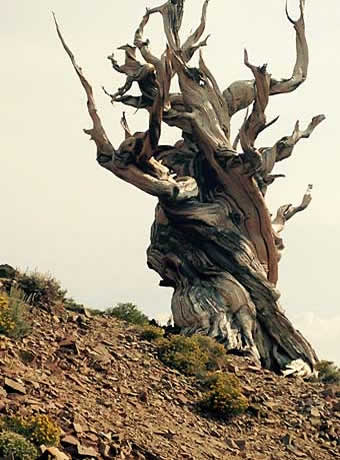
[(213, 239)]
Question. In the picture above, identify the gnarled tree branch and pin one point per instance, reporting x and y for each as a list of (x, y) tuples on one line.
[(174, 115), (144, 75), (241, 94), (97, 132), (163, 185), (202, 103), (257, 119), (190, 45), (172, 13), (143, 45), (302, 57), (283, 149), (286, 212)]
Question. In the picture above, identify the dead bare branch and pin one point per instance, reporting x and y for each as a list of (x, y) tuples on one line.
[(97, 133), (283, 149), (172, 13), (125, 126), (241, 94), (143, 45), (287, 211), (162, 185), (302, 57), (191, 45), (256, 122)]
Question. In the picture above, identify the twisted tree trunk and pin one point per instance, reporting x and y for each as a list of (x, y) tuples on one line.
[(213, 240)]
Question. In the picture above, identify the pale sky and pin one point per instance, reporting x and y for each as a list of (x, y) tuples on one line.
[(63, 214)]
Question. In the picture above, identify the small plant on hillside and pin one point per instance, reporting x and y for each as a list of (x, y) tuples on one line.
[(15, 447), (183, 353), (7, 272), (7, 325), (40, 289), (128, 312), (224, 397), (217, 356), (12, 315), (192, 355), (71, 305), (151, 333), (328, 372), (44, 431), (39, 429), (7, 277), (16, 425)]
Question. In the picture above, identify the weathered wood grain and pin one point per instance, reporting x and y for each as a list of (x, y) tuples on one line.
[(213, 239)]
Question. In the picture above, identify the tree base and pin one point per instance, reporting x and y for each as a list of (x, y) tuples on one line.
[(221, 290)]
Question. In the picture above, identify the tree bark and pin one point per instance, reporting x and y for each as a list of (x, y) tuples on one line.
[(213, 240)]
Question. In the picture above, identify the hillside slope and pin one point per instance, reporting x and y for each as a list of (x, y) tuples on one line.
[(113, 398)]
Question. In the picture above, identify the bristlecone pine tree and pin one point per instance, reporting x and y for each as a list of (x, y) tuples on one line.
[(213, 240)]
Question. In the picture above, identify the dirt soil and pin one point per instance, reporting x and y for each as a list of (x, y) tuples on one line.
[(113, 398)]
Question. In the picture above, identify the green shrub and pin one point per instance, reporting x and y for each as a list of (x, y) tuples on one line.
[(7, 272), (16, 425), (7, 277), (12, 315), (192, 355), (217, 356), (96, 312), (39, 429), (328, 372), (151, 333), (15, 447), (44, 431), (71, 305), (128, 312), (40, 289), (7, 324), (224, 397)]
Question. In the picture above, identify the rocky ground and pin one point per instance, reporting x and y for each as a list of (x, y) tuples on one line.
[(113, 398)]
